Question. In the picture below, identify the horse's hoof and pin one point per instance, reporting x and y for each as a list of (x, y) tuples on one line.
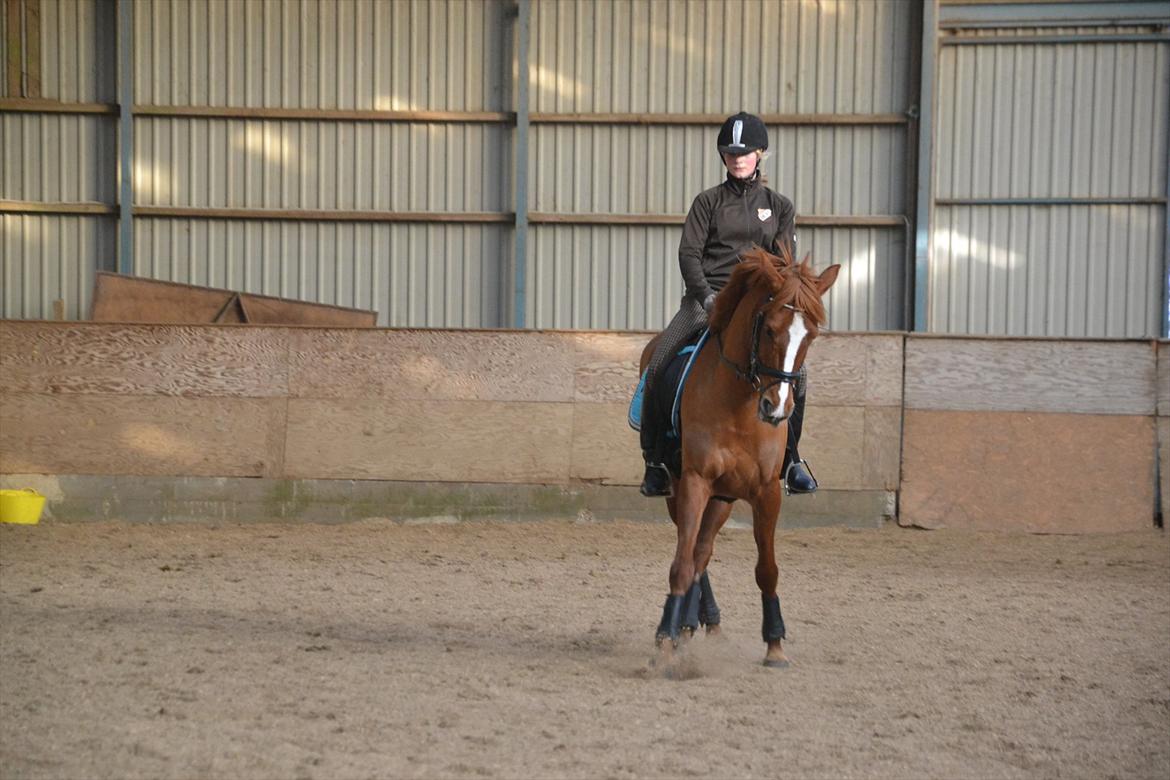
[(714, 630), (777, 663)]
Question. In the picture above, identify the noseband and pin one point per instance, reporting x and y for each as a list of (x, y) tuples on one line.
[(756, 373)]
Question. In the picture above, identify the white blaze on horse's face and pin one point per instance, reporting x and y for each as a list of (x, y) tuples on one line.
[(797, 332)]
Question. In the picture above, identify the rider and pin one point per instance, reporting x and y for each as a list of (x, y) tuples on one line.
[(723, 222)]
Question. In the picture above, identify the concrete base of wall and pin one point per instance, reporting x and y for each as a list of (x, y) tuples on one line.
[(81, 498)]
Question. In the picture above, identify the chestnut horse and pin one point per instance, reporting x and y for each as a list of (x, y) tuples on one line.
[(734, 431)]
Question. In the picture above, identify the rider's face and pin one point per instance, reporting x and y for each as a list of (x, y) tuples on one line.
[(741, 166)]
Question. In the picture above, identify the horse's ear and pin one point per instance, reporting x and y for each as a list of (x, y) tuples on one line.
[(827, 277)]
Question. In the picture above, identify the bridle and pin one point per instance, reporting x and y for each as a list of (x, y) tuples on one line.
[(756, 373)]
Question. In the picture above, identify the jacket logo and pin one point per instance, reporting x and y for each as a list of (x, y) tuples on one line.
[(763, 214)]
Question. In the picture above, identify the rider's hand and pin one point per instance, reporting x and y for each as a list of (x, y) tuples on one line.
[(709, 303)]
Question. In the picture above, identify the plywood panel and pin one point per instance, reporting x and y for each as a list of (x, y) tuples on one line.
[(140, 435), (1027, 472), (605, 365), (881, 461), (1087, 377), (1164, 466), (834, 445), (118, 298), (844, 369), (39, 357), (452, 441), (265, 310), (416, 365), (1163, 379), (605, 448), (856, 369), (849, 447)]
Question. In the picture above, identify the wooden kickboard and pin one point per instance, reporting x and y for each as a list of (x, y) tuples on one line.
[(119, 298)]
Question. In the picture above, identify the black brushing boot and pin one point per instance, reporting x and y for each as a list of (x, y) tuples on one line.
[(796, 475)]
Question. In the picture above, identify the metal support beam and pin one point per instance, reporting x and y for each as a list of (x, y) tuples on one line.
[(323, 215), (1050, 13), (1166, 252), (41, 106), (782, 120), (520, 268), (125, 136), (925, 195), (87, 208), (1121, 201), (1049, 40), (325, 114)]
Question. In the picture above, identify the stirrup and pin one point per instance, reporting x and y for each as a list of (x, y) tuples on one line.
[(656, 487), (788, 489)]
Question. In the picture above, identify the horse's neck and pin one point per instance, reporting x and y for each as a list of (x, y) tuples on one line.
[(737, 336)]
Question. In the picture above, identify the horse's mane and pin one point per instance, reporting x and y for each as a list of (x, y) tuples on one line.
[(785, 281)]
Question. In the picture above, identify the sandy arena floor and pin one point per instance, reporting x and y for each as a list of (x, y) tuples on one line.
[(522, 650)]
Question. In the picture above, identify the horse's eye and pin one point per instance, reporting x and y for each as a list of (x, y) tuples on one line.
[(770, 333)]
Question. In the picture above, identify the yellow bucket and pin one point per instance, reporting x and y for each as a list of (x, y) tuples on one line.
[(22, 507)]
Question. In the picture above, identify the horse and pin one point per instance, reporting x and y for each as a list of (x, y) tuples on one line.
[(734, 409)]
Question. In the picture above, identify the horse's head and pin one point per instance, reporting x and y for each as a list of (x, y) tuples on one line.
[(776, 306)]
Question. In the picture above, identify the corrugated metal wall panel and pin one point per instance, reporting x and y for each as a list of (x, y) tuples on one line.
[(417, 55), (358, 54), (53, 158), (1053, 121), (413, 275), (4, 91), (1081, 120), (321, 165), (45, 258), (719, 56), (57, 157), (78, 62), (870, 292), (1048, 270), (628, 169), (609, 277), (619, 277), (712, 56)]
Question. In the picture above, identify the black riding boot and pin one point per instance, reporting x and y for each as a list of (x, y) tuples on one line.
[(656, 481), (796, 476)]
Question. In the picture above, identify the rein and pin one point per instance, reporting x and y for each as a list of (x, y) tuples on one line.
[(754, 370)]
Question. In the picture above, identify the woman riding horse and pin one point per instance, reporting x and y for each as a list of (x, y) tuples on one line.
[(724, 222), (735, 405)]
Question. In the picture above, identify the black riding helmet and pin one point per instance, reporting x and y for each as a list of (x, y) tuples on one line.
[(741, 134)]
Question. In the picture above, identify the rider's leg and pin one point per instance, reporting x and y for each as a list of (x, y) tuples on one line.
[(689, 319), (796, 475)]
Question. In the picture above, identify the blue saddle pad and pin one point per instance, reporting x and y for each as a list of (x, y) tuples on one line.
[(635, 414)]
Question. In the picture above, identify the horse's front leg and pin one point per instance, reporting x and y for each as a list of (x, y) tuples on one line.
[(693, 494), (699, 607), (765, 512)]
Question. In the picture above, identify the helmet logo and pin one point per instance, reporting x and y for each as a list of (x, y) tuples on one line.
[(737, 133), (763, 214)]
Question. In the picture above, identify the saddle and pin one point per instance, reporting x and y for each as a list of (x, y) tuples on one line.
[(666, 400)]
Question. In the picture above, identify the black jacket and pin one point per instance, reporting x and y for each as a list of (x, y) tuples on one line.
[(726, 220)]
